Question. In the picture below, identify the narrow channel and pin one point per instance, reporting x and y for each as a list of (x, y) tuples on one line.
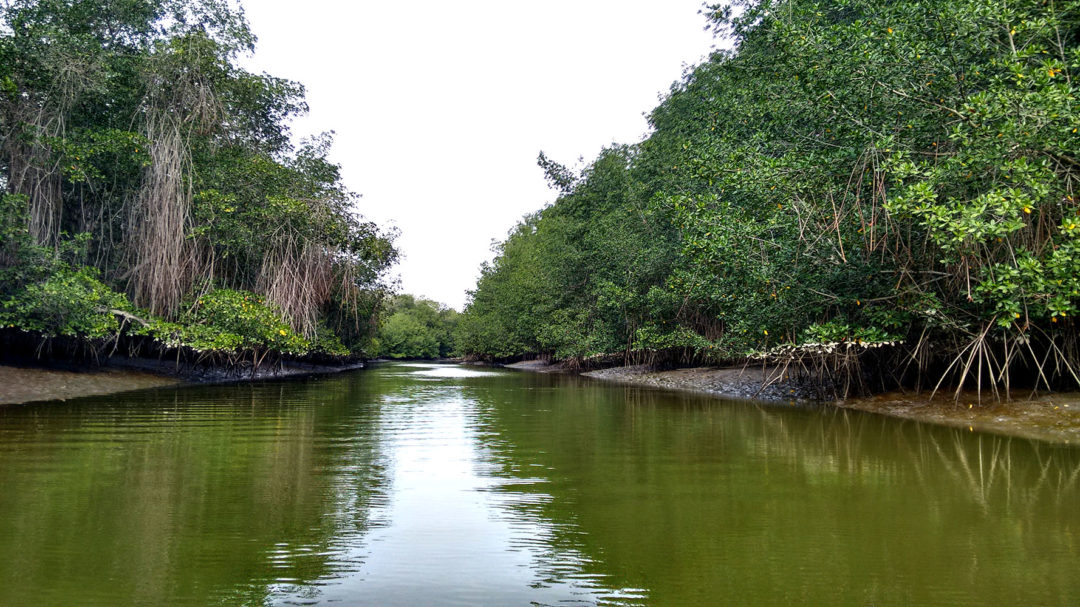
[(413, 484)]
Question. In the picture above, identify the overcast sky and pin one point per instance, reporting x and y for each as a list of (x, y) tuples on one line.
[(440, 108)]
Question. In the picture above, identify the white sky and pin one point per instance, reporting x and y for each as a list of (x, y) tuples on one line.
[(441, 108)]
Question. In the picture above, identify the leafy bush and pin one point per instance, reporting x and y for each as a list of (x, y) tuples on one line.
[(228, 320), (69, 302), (326, 342), (22, 261)]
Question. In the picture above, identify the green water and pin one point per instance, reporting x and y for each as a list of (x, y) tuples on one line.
[(429, 485)]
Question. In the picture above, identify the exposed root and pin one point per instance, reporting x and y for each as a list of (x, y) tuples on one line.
[(162, 258), (297, 276)]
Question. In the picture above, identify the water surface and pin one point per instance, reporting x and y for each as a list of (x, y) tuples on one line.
[(426, 484)]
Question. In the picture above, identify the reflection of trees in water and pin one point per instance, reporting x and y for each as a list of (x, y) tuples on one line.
[(515, 423), (210, 493), (545, 526), (252, 493), (994, 471), (1025, 474), (694, 497), (433, 416)]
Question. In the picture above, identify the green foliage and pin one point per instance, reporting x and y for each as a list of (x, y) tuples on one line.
[(49, 289), (417, 328), (22, 260), (326, 342), (69, 302), (854, 170), (574, 279), (226, 320), (131, 125), (838, 331)]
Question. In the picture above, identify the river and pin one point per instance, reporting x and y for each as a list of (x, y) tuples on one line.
[(415, 484)]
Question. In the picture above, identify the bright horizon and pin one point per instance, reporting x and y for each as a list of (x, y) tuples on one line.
[(440, 111)]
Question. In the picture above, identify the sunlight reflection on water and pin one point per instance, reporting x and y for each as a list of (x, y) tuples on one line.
[(451, 372)]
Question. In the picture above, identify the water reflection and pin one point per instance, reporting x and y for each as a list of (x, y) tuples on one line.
[(453, 536), (423, 484), (177, 495), (704, 502)]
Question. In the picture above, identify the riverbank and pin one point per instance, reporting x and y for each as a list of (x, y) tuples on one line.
[(749, 382), (19, 385), (29, 382), (1053, 417)]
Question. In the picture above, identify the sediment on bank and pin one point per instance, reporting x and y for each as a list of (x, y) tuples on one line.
[(828, 371), (758, 382), (763, 378), (20, 385)]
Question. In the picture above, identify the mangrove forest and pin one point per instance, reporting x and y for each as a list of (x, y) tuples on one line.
[(869, 193), (153, 198)]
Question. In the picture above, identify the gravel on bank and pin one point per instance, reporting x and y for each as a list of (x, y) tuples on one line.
[(750, 382)]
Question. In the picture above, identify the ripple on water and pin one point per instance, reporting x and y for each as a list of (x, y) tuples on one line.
[(430, 484)]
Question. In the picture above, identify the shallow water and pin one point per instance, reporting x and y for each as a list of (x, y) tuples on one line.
[(426, 484), (29, 384)]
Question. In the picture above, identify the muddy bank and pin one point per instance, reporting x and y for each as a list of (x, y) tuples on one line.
[(755, 383), (33, 381), (27, 384), (33, 350), (1054, 417), (210, 373), (536, 366)]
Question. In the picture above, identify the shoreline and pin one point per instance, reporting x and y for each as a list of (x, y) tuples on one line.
[(26, 382), (23, 385), (1049, 417)]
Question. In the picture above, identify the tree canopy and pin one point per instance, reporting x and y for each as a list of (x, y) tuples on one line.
[(417, 328), (854, 178), (138, 159)]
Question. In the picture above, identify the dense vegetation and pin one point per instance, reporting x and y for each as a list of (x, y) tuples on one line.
[(417, 328), (150, 187), (861, 188)]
